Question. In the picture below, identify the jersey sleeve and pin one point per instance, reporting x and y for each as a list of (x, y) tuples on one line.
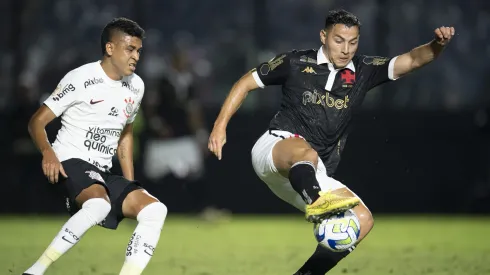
[(138, 102), (379, 70), (273, 72), (65, 94)]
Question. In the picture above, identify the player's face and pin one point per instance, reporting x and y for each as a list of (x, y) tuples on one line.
[(126, 54), (341, 43)]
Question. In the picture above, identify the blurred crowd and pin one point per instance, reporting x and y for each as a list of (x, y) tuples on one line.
[(224, 39), (195, 50)]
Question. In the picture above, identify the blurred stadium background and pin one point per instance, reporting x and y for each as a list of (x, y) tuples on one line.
[(419, 153)]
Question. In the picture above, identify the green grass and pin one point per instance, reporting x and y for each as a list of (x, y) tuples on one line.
[(257, 245)]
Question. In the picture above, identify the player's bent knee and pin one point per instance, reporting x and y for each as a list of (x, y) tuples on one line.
[(153, 215), (365, 218), (97, 208), (136, 201), (305, 154)]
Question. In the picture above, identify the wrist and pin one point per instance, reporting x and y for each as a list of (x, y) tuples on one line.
[(436, 45), (220, 125), (46, 150)]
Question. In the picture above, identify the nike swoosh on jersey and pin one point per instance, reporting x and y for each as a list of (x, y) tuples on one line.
[(95, 102)]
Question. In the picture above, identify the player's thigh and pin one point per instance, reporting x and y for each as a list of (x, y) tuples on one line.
[(84, 182), (95, 190), (135, 201), (289, 151), (362, 212)]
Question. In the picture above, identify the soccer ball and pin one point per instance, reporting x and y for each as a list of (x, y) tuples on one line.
[(338, 233)]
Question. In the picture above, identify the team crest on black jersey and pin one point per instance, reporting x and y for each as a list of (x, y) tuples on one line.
[(271, 65), (374, 60), (129, 107), (348, 78)]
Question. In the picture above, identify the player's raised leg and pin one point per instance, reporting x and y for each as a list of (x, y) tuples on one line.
[(95, 206), (150, 214), (323, 259), (295, 159)]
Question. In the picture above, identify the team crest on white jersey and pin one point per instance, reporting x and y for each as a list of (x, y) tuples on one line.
[(95, 176), (129, 107)]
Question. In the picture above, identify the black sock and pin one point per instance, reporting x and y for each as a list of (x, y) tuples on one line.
[(322, 261), (302, 176)]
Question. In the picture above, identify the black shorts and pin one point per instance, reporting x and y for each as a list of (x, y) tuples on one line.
[(82, 174)]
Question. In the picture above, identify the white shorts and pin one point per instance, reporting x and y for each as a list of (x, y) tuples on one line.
[(264, 167)]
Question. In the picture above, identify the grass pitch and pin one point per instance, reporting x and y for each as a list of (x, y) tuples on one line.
[(252, 245)]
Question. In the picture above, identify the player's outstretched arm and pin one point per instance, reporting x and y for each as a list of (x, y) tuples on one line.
[(125, 152), (423, 54), (36, 127), (233, 101)]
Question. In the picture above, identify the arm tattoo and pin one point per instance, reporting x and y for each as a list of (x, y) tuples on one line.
[(122, 151)]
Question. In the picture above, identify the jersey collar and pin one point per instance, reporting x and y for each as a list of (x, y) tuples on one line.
[(107, 79), (321, 58)]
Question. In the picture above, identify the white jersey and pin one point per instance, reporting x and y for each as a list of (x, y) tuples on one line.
[(94, 110)]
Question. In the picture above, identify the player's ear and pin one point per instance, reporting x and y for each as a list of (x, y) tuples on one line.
[(323, 36), (109, 48)]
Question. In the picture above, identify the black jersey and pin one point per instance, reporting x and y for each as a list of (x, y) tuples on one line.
[(317, 99)]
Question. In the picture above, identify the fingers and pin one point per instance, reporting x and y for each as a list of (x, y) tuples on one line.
[(52, 170), (218, 151), (447, 32), (45, 169), (215, 145), (211, 145), (439, 34), (216, 148), (62, 171), (50, 173), (444, 33), (56, 173)]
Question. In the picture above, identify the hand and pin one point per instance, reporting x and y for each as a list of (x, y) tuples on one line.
[(217, 140), (52, 166), (443, 35)]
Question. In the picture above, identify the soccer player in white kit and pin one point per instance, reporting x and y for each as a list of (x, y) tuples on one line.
[(98, 103)]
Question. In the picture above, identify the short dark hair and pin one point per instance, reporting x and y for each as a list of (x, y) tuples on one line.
[(341, 17), (120, 24)]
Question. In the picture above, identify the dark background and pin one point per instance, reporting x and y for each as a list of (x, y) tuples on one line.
[(418, 145)]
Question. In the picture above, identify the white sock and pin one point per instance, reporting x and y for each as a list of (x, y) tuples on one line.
[(144, 239), (93, 212)]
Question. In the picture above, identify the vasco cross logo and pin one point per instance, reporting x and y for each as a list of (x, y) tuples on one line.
[(348, 78)]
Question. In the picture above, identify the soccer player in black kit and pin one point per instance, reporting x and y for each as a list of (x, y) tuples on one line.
[(300, 151)]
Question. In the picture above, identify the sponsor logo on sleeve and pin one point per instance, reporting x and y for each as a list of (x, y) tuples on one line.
[(59, 93)]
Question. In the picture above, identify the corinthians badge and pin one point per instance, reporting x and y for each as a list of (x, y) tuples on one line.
[(129, 107)]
